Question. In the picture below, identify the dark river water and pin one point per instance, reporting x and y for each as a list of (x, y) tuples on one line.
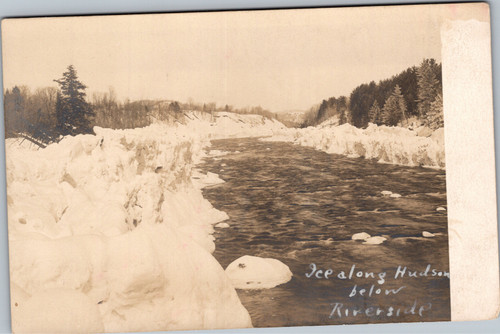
[(301, 206)]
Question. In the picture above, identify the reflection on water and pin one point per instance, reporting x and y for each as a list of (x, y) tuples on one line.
[(302, 206)]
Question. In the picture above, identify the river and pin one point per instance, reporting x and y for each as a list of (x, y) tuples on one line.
[(302, 206)]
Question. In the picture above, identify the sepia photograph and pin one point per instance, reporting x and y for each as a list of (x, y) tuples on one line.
[(229, 169)]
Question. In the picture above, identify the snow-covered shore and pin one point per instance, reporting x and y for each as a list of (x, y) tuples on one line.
[(394, 145), (115, 222)]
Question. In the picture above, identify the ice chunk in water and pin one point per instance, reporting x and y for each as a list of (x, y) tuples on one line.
[(374, 240), (360, 236), (252, 272)]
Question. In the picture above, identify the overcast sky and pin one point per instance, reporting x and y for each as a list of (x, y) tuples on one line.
[(281, 60)]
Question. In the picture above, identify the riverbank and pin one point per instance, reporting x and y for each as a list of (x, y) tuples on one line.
[(115, 220), (118, 221), (394, 145)]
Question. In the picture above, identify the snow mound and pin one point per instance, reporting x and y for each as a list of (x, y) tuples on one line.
[(222, 225), (58, 311), (428, 234), (394, 145), (151, 278), (251, 272)]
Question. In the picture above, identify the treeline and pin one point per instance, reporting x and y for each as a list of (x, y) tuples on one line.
[(258, 110), (412, 97), (110, 113), (212, 106), (26, 110), (46, 114), (49, 113)]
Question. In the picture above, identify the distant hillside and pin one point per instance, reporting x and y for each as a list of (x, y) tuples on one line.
[(411, 98)]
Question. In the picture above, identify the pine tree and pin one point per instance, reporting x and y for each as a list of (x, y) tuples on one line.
[(15, 110), (342, 110), (434, 118), (427, 86), (343, 117), (401, 104), (74, 113), (388, 111), (374, 113), (62, 123), (394, 108), (174, 106)]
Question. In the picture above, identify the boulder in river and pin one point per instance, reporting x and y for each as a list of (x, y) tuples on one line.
[(252, 272)]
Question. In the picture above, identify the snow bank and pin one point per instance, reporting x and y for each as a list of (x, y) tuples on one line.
[(58, 311), (230, 125), (395, 145), (252, 272), (117, 222), (152, 278)]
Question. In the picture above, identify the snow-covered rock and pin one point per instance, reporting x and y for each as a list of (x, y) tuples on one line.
[(440, 209), (386, 192), (360, 236), (222, 225), (428, 234), (377, 240), (252, 272), (394, 195)]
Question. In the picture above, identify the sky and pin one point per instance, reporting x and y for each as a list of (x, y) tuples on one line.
[(279, 59)]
